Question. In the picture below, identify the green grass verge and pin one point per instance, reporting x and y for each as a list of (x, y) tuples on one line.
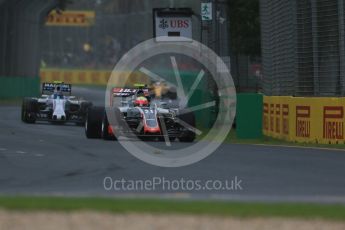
[(232, 139), (11, 102), (155, 206)]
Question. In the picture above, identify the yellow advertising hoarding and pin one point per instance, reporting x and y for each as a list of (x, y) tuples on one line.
[(71, 18), (308, 120), (92, 77)]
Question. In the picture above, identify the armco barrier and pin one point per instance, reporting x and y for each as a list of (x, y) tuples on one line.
[(306, 120), (249, 115), (17, 87)]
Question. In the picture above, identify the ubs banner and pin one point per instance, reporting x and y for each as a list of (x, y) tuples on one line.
[(173, 25), (314, 120)]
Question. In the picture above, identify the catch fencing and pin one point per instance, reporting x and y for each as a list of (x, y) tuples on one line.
[(303, 47)]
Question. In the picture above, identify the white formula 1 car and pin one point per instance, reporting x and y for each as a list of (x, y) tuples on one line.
[(55, 105)]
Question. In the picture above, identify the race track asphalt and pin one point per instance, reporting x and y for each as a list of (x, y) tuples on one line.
[(45, 159)]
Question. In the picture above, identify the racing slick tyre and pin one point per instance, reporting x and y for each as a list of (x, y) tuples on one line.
[(105, 129), (93, 122), (116, 122), (29, 110), (189, 118), (84, 106)]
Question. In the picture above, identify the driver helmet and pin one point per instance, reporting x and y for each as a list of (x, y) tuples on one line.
[(140, 93), (58, 93), (141, 102)]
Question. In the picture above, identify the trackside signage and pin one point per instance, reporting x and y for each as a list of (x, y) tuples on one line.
[(312, 120), (172, 26), (272, 117), (206, 11), (285, 119), (71, 18), (87, 77), (265, 118), (333, 122), (302, 121), (278, 118)]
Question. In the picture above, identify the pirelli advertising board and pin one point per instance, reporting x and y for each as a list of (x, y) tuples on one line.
[(71, 18), (308, 120)]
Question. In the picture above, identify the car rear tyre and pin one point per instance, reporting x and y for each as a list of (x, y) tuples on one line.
[(29, 110), (84, 106), (189, 118), (93, 122), (105, 129)]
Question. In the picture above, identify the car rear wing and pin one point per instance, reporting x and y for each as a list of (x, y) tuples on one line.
[(121, 95), (49, 88), (128, 92)]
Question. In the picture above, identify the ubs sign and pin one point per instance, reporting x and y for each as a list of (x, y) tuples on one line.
[(173, 24)]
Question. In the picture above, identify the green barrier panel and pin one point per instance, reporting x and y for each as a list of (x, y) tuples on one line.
[(249, 115), (204, 118), (17, 87)]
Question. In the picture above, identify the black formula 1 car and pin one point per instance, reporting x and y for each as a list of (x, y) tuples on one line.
[(140, 116), (56, 104)]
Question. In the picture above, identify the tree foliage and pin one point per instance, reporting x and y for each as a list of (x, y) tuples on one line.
[(245, 27), (63, 4)]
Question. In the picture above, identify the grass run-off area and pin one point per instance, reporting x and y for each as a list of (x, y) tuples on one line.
[(157, 206), (11, 102), (265, 140)]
